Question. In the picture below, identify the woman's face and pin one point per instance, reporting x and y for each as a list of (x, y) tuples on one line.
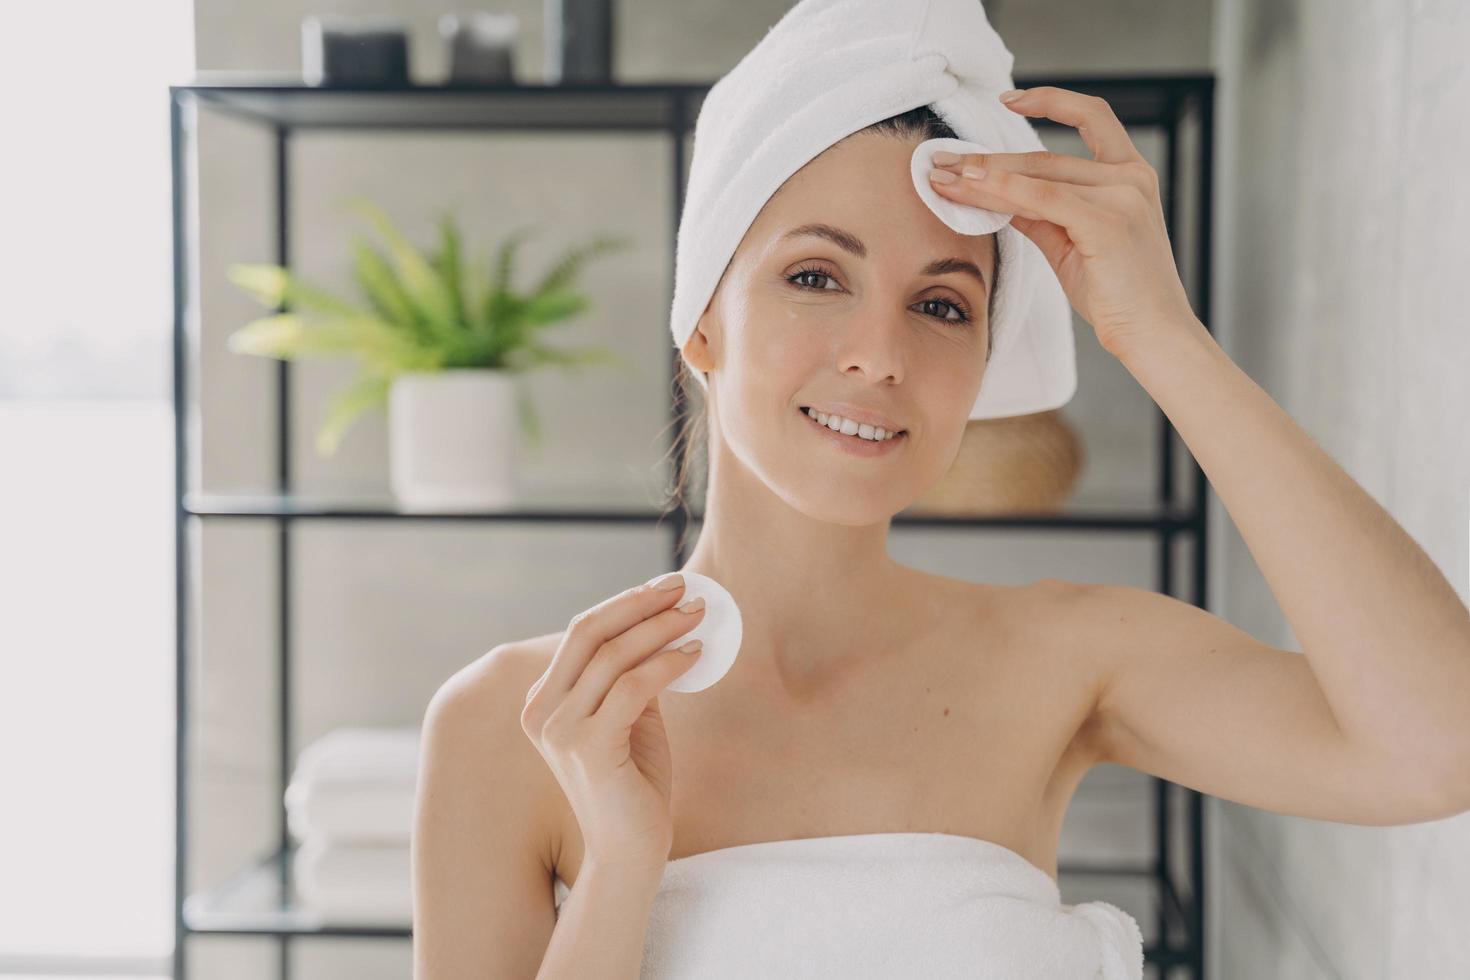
[(801, 320)]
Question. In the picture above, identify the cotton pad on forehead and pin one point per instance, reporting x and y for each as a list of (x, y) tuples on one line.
[(966, 219), (719, 628)]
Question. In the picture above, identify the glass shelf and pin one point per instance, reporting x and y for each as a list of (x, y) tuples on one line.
[(249, 903), (284, 99), (1093, 512)]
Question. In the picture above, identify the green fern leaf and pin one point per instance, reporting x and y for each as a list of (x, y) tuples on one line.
[(500, 303), (275, 286), (505, 258), (447, 262), (368, 391), (385, 293), (564, 272), (288, 335), (553, 306), (422, 283)]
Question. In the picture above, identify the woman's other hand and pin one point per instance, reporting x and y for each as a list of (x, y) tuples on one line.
[(594, 717)]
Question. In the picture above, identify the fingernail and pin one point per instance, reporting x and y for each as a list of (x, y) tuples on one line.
[(669, 582), (945, 158), (1011, 95), (942, 176), (693, 646), (691, 605)]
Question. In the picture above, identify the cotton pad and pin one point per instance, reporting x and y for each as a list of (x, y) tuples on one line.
[(966, 219), (719, 629)]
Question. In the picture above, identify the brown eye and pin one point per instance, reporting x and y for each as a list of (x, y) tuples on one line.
[(807, 272), (964, 316), (796, 277)]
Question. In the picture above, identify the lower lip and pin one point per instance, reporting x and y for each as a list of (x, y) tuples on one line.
[(855, 444)]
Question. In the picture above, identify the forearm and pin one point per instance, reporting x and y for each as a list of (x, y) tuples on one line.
[(1386, 635), (601, 926)]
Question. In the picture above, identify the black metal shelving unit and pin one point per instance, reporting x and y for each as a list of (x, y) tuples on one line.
[(259, 899)]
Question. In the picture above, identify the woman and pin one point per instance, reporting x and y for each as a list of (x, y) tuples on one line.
[(876, 710)]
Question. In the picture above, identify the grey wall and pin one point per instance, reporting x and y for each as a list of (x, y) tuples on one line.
[(1333, 308), (1341, 248)]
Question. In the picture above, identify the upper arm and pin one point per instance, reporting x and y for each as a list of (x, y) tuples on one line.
[(481, 847), (1191, 698)]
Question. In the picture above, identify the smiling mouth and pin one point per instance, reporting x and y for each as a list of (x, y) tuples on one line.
[(804, 412)]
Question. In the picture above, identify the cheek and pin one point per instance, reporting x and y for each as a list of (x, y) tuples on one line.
[(953, 368), (787, 345), (780, 342)]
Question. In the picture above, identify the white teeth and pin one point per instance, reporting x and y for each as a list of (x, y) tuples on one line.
[(837, 423)]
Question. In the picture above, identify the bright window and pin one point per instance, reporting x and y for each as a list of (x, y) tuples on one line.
[(86, 487)]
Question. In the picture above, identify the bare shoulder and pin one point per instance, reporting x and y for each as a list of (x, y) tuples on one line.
[(1071, 621), (1034, 613), (985, 595), (475, 717), (1060, 628), (485, 696), (484, 829), (478, 692), (1061, 605), (1045, 619), (1100, 627)]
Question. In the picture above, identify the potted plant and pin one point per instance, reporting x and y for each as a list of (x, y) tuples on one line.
[(439, 343)]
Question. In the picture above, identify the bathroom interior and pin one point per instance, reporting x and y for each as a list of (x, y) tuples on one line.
[(239, 578)]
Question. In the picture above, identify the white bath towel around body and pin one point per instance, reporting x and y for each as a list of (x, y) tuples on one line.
[(883, 905)]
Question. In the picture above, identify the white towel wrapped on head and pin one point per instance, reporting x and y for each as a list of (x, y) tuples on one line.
[(827, 69)]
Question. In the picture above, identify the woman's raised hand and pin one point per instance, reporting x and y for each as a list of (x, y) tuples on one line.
[(594, 717), (1099, 222)]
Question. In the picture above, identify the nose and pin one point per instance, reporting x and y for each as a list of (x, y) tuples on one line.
[(871, 345)]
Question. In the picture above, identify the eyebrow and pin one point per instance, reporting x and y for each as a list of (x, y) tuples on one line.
[(849, 242)]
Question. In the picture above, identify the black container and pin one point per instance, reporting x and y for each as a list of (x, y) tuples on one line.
[(342, 49), (481, 47), (579, 36)]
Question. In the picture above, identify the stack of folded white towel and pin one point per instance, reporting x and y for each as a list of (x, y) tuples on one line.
[(349, 805)]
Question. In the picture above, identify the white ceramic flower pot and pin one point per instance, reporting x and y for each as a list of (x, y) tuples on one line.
[(452, 438)]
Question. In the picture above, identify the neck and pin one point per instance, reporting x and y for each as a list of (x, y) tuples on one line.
[(811, 592)]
